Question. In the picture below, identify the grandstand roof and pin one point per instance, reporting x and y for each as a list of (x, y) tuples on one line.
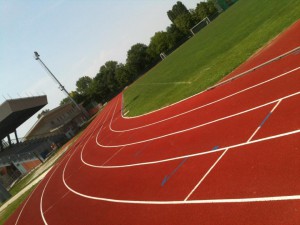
[(14, 112)]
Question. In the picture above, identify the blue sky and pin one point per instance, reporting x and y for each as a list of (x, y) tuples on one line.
[(73, 37)]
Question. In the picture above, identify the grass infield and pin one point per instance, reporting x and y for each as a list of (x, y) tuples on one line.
[(213, 53)]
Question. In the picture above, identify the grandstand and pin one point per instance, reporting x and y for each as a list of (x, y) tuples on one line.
[(18, 156)]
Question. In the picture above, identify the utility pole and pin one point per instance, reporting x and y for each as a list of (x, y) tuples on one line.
[(61, 87)]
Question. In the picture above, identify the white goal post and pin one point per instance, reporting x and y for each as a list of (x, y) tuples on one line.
[(200, 25)]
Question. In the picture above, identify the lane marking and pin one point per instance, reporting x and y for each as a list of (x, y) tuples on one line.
[(117, 152), (265, 119), (20, 213), (42, 195), (207, 201), (205, 105), (168, 177), (39, 184), (194, 127), (196, 154), (205, 175), (76, 144), (226, 81), (217, 161), (166, 83)]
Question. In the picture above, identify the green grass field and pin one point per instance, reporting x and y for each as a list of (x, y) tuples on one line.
[(213, 53)]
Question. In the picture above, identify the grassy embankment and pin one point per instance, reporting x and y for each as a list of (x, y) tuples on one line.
[(213, 53)]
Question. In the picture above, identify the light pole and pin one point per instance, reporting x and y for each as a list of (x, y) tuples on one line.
[(61, 87)]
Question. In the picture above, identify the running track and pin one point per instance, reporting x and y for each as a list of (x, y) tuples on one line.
[(229, 155)]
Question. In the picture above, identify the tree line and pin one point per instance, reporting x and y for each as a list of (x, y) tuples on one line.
[(113, 76)]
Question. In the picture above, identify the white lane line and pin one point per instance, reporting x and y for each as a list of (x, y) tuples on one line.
[(194, 127), (196, 154), (92, 132), (208, 104), (206, 174), (31, 196), (165, 83), (258, 128), (42, 195), (226, 81), (209, 201), (217, 161), (20, 213), (57, 166), (110, 158), (98, 133)]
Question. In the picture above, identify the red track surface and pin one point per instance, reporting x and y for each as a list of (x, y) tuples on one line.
[(226, 156)]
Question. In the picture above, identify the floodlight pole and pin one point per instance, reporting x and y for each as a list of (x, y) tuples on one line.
[(61, 87)]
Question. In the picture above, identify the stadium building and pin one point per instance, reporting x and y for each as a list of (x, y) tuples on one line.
[(18, 156)]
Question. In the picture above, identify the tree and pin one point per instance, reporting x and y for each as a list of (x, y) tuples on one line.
[(138, 58), (99, 90), (181, 17), (205, 9), (43, 113), (124, 76), (184, 23), (105, 85), (65, 101), (108, 72), (83, 85), (211, 7), (177, 10), (78, 98), (160, 42)]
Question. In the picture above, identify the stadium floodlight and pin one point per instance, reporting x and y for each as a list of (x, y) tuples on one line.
[(37, 56), (61, 87)]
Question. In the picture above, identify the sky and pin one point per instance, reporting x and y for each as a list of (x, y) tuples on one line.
[(74, 38)]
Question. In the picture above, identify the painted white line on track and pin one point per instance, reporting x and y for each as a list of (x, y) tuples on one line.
[(20, 213), (42, 195), (205, 175), (117, 152), (219, 84), (91, 135), (207, 201), (98, 133), (84, 135), (194, 127), (258, 128), (220, 157), (196, 154), (205, 105)]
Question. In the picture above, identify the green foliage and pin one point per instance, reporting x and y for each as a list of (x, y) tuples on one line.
[(124, 76), (177, 10), (105, 84), (184, 22), (78, 98), (83, 85), (175, 34), (205, 9), (213, 53), (160, 42), (138, 58), (43, 113), (181, 17), (65, 101)]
